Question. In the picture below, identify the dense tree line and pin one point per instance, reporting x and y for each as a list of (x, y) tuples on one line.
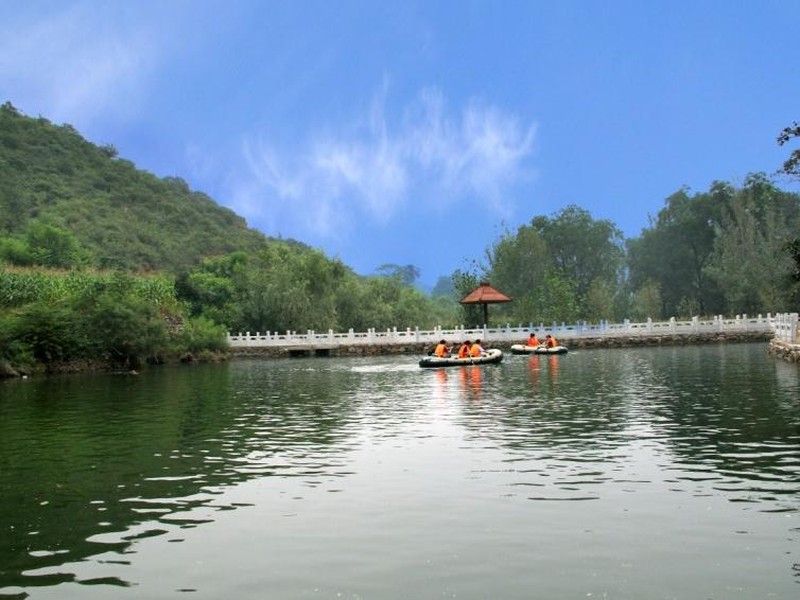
[(728, 250), (723, 251), (283, 288)]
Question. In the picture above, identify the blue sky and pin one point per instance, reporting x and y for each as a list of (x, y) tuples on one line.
[(416, 132)]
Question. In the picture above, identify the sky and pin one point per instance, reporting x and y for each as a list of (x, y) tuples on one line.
[(417, 132)]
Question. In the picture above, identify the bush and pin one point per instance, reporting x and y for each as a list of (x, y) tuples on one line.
[(200, 333), (125, 328), (49, 333)]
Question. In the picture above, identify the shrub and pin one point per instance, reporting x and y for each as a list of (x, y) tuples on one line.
[(200, 333), (50, 333)]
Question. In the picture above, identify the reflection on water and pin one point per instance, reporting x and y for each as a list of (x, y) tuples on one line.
[(100, 476)]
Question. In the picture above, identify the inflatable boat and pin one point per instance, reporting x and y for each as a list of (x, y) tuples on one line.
[(492, 356), (523, 349)]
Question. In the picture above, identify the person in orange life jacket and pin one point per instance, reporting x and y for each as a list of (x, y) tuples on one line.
[(550, 341), (476, 349), (442, 350), (463, 351), (534, 341)]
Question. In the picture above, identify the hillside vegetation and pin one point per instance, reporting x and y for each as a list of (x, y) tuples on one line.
[(121, 216), (102, 262)]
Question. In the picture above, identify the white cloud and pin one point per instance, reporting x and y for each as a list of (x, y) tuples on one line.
[(376, 168), (75, 63)]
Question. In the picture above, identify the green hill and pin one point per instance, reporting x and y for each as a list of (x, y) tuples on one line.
[(123, 217), (75, 220)]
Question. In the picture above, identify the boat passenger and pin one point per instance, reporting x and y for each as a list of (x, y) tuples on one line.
[(550, 341), (463, 351), (534, 341), (476, 350), (442, 351)]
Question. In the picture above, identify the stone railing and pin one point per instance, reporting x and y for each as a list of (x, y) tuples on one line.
[(786, 328), (509, 334)]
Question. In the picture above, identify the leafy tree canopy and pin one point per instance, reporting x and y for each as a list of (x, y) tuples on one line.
[(792, 164)]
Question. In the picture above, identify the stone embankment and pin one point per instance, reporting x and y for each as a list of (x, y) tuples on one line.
[(582, 342), (785, 350), (786, 343)]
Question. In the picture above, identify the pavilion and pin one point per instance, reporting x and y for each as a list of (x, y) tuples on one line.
[(485, 294)]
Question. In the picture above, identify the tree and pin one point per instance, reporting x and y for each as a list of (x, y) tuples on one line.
[(600, 301), (792, 167), (676, 248), (748, 261), (444, 287), (581, 248), (15, 251), (407, 274), (464, 282), (720, 250), (792, 164), (518, 262), (52, 246), (647, 301), (550, 265)]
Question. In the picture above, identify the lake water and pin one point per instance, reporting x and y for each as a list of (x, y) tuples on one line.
[(642, 473)]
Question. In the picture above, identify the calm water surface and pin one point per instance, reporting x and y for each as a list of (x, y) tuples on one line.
[(646, 473)]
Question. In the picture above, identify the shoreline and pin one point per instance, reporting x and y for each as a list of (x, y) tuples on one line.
[(10, 371), (584, 342), (776, 348)]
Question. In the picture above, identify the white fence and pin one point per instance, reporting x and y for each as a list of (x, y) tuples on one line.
[(329, 339), (785, 327)]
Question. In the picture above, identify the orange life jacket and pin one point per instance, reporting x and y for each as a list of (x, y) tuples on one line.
[(475, 350), (551, 342), (441, 350), (534, 341), (463, 351)]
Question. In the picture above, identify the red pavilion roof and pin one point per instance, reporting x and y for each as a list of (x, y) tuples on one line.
[(485, 294)]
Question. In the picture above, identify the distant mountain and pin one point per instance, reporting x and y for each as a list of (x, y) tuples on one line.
[(122, 216)]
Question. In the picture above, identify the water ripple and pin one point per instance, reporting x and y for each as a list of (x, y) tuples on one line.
[(123, 463)]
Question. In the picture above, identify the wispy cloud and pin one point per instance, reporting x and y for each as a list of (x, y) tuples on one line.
[(377, 165), (77, 62)]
